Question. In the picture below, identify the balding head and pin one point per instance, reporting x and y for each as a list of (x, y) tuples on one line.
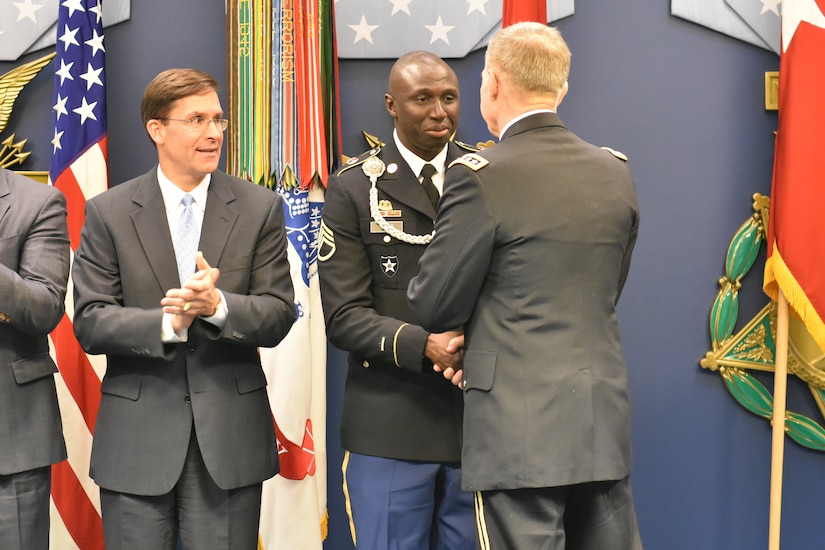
[(423, 101)]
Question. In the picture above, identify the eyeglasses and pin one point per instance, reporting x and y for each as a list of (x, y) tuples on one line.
[(201, 123)]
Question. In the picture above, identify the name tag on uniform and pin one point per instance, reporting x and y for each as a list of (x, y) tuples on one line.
[(375, 228)]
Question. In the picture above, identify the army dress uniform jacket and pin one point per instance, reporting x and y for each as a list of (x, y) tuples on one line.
[(34, 268), (531, 251), (395, 406)]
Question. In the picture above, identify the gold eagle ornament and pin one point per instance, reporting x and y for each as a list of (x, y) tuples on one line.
[(11, 84)]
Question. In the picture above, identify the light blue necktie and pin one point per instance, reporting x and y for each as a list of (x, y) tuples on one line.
[(186, 243)]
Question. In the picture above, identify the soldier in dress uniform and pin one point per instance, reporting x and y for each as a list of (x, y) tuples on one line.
[(401, 425), (532, 248)]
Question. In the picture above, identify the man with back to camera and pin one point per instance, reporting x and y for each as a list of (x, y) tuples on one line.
[(184, 436), (34, 270), (532, 248), (401, 422)]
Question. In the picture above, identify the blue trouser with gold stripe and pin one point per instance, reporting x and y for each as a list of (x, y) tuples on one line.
[(407, 505)]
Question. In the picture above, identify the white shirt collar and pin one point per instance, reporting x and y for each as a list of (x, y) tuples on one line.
[(172, 194), (416, 163), (522, 116)]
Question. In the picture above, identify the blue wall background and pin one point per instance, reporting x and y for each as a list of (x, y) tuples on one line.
[(686, 105)]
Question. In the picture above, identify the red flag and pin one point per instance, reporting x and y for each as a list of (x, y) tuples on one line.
[(796, 238), (79, 169), (514, 11)]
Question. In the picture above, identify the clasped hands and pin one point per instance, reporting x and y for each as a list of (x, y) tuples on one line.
[(446, 351), (199, 296)]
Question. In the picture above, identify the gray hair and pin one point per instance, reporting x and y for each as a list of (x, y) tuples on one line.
[(531, 57)]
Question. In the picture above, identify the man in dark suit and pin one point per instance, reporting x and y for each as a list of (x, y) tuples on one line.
[(401, 422), (531, 250), (184, 436), (34, 269)]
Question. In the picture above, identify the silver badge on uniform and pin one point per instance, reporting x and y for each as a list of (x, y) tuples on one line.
[(389, 265), (373, 167)]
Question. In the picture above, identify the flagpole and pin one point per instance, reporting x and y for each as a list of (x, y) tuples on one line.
[(778, 431)]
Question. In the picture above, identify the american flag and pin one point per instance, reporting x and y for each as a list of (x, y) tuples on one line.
[(79, 169)]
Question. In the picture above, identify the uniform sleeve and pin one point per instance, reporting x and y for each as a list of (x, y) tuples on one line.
[(452, 269), (631, 240), (353, 323)]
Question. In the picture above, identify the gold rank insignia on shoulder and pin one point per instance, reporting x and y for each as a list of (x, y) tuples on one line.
[(472, 161), (360, 159), (618, 154)]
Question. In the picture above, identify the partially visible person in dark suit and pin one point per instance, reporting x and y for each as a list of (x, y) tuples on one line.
[(532, 247), (180, 275), (401, 422), (34, 270)]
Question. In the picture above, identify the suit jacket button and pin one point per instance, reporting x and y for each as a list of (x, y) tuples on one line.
[(463, 384), (187, 399), (365, 364)]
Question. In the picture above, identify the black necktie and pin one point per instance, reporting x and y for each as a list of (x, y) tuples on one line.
[(427, 183)]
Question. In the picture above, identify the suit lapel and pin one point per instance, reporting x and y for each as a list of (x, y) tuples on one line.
[(218, 219), (152, 228)]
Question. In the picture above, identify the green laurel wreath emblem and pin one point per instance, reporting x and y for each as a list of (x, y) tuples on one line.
[(754, 347)]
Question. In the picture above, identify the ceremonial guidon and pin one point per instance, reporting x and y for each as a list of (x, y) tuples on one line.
[(377, 219)]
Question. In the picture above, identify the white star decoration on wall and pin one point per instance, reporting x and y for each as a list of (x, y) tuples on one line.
[(30, 25), (753, 21), (390, 28), (439, 31)]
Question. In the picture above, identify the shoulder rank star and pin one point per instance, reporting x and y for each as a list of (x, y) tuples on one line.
[(472, 161)]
